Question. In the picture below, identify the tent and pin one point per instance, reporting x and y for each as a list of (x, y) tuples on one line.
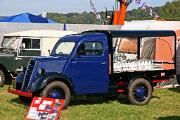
[(26, 18)]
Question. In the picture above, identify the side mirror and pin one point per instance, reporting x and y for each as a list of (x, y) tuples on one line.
[(49, 51)]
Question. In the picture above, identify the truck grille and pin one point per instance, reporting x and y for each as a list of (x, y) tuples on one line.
[(28, 74)]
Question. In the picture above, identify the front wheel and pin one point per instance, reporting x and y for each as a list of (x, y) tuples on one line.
[(140, 91), (57, 90), (2, 78)]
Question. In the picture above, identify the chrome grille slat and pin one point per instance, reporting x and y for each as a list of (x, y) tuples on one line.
[(28, 74)]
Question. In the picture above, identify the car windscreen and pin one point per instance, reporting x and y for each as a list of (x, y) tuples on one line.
[(10, 42)]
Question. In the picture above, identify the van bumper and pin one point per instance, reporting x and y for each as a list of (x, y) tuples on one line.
[(19, 92)]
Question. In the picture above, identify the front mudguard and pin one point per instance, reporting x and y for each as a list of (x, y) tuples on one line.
[(19, 80), (40, 83), (20, 77)]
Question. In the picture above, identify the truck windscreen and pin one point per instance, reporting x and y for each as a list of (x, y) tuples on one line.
[(63, 48)]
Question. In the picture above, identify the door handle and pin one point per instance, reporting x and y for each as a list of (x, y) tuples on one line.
[(74, 62), (17, 58), (103, 63)]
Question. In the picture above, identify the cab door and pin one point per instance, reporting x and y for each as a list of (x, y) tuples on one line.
[(29, 48), (89, 69)]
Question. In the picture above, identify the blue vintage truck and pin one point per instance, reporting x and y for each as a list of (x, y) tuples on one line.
[(94, 62)]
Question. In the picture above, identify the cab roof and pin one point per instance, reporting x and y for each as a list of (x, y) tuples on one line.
[(136, 33)]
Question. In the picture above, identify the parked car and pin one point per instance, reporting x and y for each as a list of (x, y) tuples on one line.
[(19, 47)]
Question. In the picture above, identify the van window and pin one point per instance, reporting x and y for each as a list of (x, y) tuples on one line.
[(90, 48), (31, 43)]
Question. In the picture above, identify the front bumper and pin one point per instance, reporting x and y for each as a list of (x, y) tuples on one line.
[(19, 92)]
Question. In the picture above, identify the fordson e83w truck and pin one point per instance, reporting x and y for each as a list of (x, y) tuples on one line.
[(96, 62)]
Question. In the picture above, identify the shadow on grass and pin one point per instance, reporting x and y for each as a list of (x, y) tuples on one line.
[(90, 100), (175, 89), (15, 101), (156, 97), (170, 118)]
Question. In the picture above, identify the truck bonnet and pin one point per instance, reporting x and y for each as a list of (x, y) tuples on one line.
[(48, 64)]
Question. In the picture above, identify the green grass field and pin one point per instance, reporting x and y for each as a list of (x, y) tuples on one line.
[(165, 105)]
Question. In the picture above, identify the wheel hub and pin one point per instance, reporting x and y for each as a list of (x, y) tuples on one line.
[(57, 94), (140, 93)]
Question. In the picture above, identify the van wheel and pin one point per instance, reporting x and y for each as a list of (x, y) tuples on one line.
[(57, 90), (2, 78), (140, 91)]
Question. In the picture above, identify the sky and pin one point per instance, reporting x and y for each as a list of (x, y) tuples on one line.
[(13, 7)]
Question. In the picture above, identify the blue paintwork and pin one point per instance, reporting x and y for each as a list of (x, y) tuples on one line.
[(57, 94), (140, 93), (42, 81), (20, 77), (49, 64), (87, 74)]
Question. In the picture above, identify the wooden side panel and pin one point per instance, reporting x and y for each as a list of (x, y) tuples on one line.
[(128, 45)]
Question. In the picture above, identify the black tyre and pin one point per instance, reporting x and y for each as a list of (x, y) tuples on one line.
[(2, 78), (140, 91), (57, 90)]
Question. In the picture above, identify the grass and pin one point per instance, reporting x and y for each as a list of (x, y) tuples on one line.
[(165, 105)]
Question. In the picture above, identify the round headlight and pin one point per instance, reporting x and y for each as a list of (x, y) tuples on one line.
[(41, 71)]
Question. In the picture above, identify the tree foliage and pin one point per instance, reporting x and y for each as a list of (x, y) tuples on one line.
[(170, 11)]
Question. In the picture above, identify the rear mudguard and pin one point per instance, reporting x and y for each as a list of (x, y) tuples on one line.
[(44, 80), (131, 80)]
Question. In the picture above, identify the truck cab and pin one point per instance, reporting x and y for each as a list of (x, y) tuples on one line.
[(88, 63)]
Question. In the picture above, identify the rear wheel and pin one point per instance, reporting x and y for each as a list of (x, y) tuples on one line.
[(2, 78), (57, 90), (140, 91)]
